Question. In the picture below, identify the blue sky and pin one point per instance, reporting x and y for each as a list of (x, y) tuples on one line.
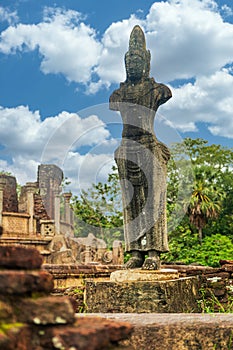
[(60, 61)]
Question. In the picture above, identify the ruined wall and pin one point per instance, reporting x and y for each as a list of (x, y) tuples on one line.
[(10, 200), (46, 322), (23, 200), (49, 181), (39, 208)]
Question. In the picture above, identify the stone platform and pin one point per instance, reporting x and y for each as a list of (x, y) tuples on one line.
[(139, 275), (178, 331), (138, 291)]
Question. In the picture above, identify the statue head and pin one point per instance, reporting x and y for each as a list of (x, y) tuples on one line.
[(137, 58)]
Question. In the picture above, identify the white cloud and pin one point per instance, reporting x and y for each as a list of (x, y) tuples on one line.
[(67, 45), (29, 141), (209, 100), (187, 39), (7, 15), (226, 10), (84, 170)]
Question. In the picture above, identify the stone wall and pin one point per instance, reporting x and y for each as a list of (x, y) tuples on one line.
[(40, 220), (178, 331), (216, 284), (10, 200), (32, 319), (49, 181)]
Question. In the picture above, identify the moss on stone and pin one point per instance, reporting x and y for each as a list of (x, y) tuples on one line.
[(6, 327)]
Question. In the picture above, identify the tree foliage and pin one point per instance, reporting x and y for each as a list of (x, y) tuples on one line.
[(98, 210)]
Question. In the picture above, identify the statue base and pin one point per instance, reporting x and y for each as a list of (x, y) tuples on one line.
[(139, 275), (142, 291)]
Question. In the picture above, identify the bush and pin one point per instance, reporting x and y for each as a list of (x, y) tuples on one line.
[(187, 249)]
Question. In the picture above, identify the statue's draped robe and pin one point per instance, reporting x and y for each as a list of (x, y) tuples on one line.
[(142, 162)]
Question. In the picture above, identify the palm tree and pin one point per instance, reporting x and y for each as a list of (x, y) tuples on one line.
[(205, 203)]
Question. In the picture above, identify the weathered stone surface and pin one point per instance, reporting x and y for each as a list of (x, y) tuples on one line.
[(165, 296), (219, 275), (139, 275), (192, 270), (20, 282), (87, 334), (15, 336), (59, 270), (30, 320), (19, 257), (224, 262), (10, 201), (228, 267), (45, 310), (6, 312), (49, 179), (178, 331)]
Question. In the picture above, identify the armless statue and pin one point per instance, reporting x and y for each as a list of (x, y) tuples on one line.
[(141, 158)]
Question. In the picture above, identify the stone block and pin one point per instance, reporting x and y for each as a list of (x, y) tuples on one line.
[(178, 295), (89, 333), (224, 262), (20, 282), (15, 336), (13, 257), (228, 267), (6, 312), (178, 331), (139, 275), (49, 310)]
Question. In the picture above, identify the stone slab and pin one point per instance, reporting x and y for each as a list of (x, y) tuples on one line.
[(178, 331), (92, 333), (48, 310), (20, 282), (14, 257), (139, 275), (178, 295)]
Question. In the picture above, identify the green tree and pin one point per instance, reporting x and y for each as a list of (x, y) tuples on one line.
[(99, 210), (205, 204), (209, 174)]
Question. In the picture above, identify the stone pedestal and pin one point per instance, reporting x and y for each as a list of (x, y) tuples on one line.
[(139, 275), (138, 291)]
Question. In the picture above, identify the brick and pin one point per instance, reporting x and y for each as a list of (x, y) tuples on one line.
[(20, 282), (13, 257), (92, 333), (45, 311)]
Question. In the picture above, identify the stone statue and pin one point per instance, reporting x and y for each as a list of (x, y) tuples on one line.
[(141, 159)]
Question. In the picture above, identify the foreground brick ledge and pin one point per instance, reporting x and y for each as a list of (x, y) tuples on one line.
[(59, 270), (16, 257), (177, 331), (171, 318), (20, 282)]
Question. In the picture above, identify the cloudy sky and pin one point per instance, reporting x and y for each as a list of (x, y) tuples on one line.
[(60, 61)]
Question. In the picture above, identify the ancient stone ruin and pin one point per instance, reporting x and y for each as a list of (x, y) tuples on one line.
[(42, 218), (32, 319)]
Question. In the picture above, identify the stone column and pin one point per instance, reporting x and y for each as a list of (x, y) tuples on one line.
[(30, 188), (57, 203), (67, 209), (2, 184)]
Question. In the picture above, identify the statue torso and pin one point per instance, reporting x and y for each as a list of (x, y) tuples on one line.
[(138, 104)]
